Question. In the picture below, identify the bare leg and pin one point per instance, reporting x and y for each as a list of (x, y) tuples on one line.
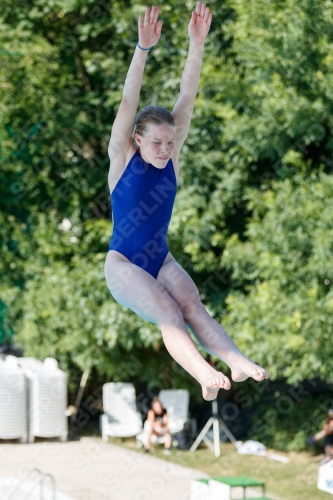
[(168, 439), (148, 434), (133, 287), (207, 331), (328, 452)]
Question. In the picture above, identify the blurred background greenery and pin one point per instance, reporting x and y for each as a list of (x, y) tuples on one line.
[(252, 223)]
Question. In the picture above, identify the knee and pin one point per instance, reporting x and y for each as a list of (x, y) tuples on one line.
[(171, 313), (191, 306)]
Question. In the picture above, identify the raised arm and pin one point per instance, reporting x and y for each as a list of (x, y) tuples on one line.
[(182, 112), (149, 31)]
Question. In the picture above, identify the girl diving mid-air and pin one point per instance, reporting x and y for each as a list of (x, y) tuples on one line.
[(140, 271)]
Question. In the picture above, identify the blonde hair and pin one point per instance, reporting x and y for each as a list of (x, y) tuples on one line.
[(151, 114)]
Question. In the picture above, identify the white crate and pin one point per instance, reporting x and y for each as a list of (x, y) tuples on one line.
[(325, 477), (219, 491), (200, 489)]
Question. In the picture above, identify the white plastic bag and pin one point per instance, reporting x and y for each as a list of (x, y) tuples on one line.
[(250, 448)]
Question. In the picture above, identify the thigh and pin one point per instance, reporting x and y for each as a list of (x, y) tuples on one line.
[(158, 428), (136, 289), (177, 282)]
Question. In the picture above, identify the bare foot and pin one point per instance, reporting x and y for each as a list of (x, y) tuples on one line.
[(244, 368), (213, 383)]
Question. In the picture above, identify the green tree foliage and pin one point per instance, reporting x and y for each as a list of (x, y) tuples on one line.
[(251, 220), (281, 313)]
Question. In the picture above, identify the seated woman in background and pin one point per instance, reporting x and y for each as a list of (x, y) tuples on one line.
[(327, 434), (157, 425)]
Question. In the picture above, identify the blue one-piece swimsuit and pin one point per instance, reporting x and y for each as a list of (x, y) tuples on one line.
[(142, 204)]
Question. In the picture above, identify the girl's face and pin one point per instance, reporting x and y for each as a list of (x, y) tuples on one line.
[(157, 407), (157, 145)]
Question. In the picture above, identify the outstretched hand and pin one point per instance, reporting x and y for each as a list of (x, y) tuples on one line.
[(150, 28), (200, 23)]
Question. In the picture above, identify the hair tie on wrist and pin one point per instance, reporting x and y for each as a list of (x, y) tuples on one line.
[(143, 48)]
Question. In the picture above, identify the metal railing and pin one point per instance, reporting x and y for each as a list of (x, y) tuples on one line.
[(38, 482), (20, 482)]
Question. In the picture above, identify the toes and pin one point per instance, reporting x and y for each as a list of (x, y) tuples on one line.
[(261, 374), (224, 383), (227, 384), (213, 384)]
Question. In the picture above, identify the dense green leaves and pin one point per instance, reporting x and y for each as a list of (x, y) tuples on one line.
[(282, 312)]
